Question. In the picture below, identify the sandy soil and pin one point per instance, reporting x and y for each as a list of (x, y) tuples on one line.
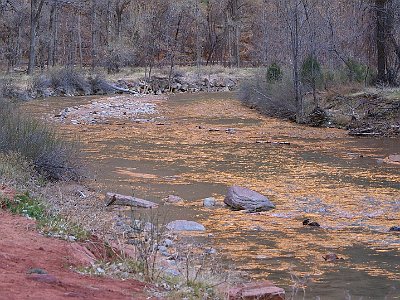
[(22, 249)]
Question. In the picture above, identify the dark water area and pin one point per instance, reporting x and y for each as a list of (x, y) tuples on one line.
[(335, 179)]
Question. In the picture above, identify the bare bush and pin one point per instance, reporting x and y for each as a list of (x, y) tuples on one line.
[(63, 82), (68, 81), (100, 86), (9, 90), (275, 99), (146, 233), (51, 156)]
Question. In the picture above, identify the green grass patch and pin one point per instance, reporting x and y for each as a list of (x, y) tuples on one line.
[(51, 225)]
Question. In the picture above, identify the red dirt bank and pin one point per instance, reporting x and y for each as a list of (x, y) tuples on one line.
[(22, 248)]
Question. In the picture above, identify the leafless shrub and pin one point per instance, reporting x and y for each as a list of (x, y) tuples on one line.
[(196, 263), (119, 58), (146, 233), (50, 155), (9, 90), (275, 99), (40, 84), (100, 86), (68, 81), (64, 81)]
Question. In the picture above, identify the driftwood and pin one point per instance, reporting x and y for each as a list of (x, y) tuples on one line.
[(363, 133), (272, 142), (117, 199), (128, 91)]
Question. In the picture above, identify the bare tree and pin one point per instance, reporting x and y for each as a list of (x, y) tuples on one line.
[(36, 10)]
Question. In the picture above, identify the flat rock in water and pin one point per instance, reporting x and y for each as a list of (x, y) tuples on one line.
[(243, 198), (117, 199), (183, 225), (173, 199), (257, 290), (392, 159)]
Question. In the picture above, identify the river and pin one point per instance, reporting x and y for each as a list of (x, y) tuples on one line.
[(320, 173)]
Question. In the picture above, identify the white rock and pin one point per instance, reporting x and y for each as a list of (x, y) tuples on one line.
[(209, 202), (183, 225)]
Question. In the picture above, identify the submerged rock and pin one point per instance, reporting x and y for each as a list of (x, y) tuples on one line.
[(256, 290), (392, 159), (243, 198), (395, 228), (183, 225), (331, 257), (310, 223)]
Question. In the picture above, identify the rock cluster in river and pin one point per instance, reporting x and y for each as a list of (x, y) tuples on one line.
[(122, 108)]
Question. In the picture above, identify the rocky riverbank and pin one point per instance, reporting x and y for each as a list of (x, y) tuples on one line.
[(370, 112), (69, 82)]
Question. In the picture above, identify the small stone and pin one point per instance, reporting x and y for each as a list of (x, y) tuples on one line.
[(71, 238), (168, 243), (172, 199), (36, 271), (162, 249), (100, 270), (261, 257), (394, 228), (257, 228), (183, 225), (210, 251), (209, 202), (331, 257), (310, 223)]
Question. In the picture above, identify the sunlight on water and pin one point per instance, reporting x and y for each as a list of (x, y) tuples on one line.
[(322, 174)]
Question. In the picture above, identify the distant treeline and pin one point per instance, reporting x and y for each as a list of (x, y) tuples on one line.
[(151, 33)]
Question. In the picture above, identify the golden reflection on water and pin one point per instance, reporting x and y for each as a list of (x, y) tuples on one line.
[(319, 175)]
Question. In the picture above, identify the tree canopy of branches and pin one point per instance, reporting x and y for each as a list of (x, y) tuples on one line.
[(118, 33)]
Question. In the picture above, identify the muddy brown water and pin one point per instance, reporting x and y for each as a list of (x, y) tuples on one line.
[(323, 174)]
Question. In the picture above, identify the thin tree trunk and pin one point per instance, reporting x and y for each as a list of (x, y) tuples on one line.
[(381, 15), (80, 40), (94, 33), (18, 50), (36, 9), (198, 47), (265, 34), (295, 50), (32, 45)]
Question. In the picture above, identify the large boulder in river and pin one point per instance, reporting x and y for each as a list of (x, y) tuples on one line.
[(243, 198)]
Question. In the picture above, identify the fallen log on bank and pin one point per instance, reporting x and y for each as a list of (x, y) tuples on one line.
[(117, 199), (272, 142), (122, 90)]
